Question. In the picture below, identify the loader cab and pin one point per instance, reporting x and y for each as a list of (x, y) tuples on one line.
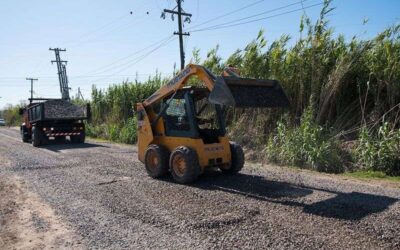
[(189, 114)]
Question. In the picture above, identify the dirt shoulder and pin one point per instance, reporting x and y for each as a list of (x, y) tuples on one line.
[(27, 222)]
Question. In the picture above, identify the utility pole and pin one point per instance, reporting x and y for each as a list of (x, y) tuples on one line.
[(180, 14), (62, 73), (31, 79), (80, 96)]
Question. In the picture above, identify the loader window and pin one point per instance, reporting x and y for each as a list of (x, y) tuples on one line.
[(209, 118), (206, 115), (176, 116)]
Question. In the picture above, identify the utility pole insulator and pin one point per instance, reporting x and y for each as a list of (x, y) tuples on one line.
[(180, 33)]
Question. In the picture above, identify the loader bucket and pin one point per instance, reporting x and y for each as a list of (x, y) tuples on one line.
[(248, 93)]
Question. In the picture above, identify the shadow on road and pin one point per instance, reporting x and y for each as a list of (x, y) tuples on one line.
[(346, 206), (58, 146)]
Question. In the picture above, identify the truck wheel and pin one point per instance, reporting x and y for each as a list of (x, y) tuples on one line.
[(78, 138), (24, 137), (81, 137), (184, 165), (237, 159), (156, 160), (36, 137)]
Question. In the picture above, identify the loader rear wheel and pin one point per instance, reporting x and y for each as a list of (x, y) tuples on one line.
[(184, 164), (237, 159), (156, 161)]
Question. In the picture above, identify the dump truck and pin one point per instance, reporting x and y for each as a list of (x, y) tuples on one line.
[(47, 119), (53, 119), (181, 129)]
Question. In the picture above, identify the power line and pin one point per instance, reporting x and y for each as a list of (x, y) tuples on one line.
[(141, 58), (228, 14), (255, 15), (106, 25), (107, 67), (234, 22), (74, 77), (113, 30)]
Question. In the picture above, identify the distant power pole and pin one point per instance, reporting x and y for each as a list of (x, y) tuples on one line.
[(62, 73), (180, 13), (31, 79), (80, 96)]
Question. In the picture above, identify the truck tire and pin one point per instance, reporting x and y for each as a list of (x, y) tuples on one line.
[(237, 159), (184, 165), (81, 138), (78, 138), (36, 137), (156, 161), (24, 136)]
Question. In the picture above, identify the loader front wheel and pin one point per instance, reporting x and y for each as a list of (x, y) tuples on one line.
[(156, 161), (184, 164), (237, 159)]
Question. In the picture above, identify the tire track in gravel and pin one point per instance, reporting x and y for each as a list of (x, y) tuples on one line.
[(106, 196)]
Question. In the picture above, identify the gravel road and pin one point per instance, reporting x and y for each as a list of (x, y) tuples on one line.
[(103, 198)]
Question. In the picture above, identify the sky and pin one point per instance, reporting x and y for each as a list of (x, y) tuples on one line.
[(106, 44)]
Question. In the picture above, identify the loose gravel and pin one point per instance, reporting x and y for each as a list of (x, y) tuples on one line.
[(106, 197)]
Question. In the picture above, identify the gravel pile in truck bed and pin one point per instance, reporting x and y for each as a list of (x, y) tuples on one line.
[(61, 109)]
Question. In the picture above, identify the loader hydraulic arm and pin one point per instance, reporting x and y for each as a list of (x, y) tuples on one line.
[(179, 81)]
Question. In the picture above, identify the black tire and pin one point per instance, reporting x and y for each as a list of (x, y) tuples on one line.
[(24, 137), (237, 159), (78, 138), (191, 170), (36, 137), (82, 137), (156, 161)]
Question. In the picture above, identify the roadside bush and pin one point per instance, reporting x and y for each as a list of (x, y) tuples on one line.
[(380, 151), (307, 145), (125, 133), (128, 131), (11, 115)]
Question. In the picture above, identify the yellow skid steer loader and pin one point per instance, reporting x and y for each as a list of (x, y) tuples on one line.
[(181, 128)]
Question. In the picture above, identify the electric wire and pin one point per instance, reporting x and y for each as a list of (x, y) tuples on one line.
[(237, 23), (228, 14), (139, 59), (107, 67)]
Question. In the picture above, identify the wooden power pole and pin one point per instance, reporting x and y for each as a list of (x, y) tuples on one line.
[(180, 32), (31, 79)]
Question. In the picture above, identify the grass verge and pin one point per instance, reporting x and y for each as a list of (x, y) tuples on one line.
[(378, 175)]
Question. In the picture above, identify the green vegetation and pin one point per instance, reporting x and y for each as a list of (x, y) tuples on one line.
[(308, 144), (379, 151), (112, 109), (372, 175), (11, 115)]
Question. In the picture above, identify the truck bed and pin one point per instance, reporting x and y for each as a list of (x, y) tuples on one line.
[(57, 110)]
